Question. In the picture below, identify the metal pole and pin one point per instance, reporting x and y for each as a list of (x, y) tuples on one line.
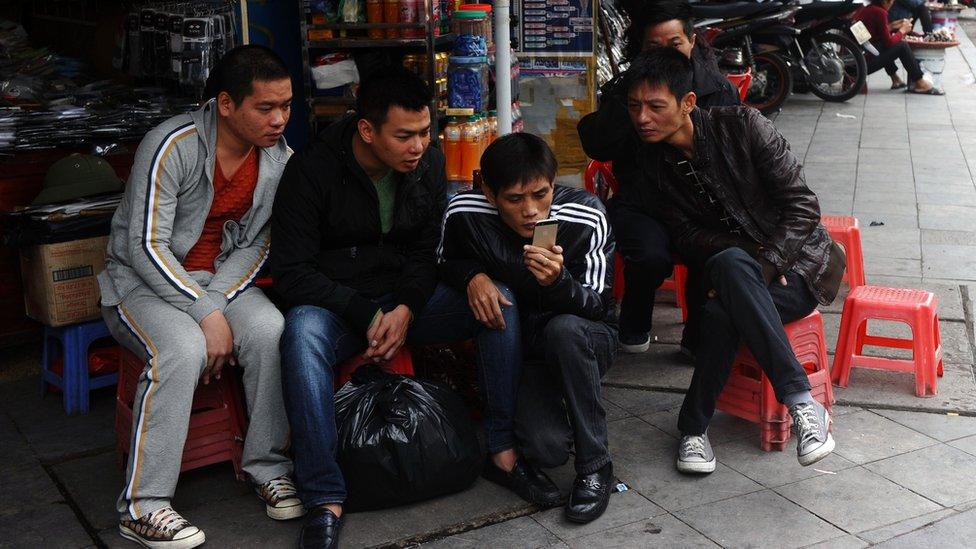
[(245, 29), (503, 66)]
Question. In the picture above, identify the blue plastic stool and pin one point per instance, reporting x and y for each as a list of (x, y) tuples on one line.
[(73, 381)]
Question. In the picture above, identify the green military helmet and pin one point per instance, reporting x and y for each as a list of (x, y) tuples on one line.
[(77, 176)]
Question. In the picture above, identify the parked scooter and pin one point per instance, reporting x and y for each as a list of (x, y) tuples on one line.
[(835, 68)]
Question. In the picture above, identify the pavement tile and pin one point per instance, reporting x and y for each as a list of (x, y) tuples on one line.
[(951, 482), (52, 526), (518, 532), (773, 469), (663, 531), (723, 427), (957, 531), (949, 261), (967, 444), (874, 388), (625, 508), (957, 238), (900, 528), (857, 499), (636, 439), (845, 542), (639, 402), (863, 437), (34, 489), (659, 482), (886, 266), (614, 412), (941, 427), (661, 366), (946, 217), (760, 519)]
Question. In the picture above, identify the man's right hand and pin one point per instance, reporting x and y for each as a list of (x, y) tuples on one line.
[(486, 300), (220, 345)]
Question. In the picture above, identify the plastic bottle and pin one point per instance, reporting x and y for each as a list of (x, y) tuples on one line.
[(470, 148), (391, 14), (485, 134), (452, 149), (409, 14), (374, 14), (492, 126)]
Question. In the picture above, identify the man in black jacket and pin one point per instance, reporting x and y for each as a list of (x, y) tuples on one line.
[(355, 224), (734, 199), (607, 135), (564, 298)]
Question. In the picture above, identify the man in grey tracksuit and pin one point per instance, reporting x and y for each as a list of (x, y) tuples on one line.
[(189, 323)]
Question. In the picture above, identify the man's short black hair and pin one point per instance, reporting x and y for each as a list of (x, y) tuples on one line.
[(239, 68), (661, 67), (517, 158), (399, 88), (648, 14)]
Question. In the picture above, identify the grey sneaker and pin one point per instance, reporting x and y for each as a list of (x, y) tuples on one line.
[(635, 343), (280, 499), (162, 529), (695, 454), (811, 421)]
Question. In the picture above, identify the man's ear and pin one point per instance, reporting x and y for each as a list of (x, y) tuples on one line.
[(225, 104), (486, 190), (688, 102), (366, 130), (692, 39)]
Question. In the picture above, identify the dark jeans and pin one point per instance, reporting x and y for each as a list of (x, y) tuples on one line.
[(559, 402), (316, 340), (920, 13), (644, 244), (744, 309), (901, 51)]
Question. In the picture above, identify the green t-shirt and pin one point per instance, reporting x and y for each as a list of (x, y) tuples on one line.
[(386, 191)]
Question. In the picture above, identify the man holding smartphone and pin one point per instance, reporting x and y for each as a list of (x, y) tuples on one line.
[(562, 287)]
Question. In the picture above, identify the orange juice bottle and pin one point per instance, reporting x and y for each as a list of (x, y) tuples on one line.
[(492, 126), (470, 148), (452, 150), (391, 14), (374, 14)]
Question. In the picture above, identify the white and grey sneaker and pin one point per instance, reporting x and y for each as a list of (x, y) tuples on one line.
[(695, 454), (280, 499), (162, 529), (635, 343), (811, 421)]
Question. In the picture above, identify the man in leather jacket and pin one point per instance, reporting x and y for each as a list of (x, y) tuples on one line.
[(607, 135), (564, 299), (733, 198), (356, 221)]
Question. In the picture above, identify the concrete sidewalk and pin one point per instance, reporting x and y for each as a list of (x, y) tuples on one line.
[(903, 474)]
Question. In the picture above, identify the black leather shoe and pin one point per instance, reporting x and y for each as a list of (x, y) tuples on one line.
[(321, 530), (591, 494), (529, 483)]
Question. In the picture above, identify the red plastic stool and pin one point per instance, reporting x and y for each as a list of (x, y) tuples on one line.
[(846, 231), (917, 308), (401, 363), (749, 394), (217, 420), (598, 179)]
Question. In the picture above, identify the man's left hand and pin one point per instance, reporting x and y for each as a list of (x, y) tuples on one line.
[(545, 265), (390, 334)]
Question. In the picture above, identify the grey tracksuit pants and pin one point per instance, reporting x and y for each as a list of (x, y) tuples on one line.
[(176, 354)]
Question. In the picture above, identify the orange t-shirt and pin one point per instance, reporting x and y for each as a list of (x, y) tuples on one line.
[(232, 199)]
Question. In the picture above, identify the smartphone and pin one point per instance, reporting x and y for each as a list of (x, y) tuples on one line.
[(545, 233)]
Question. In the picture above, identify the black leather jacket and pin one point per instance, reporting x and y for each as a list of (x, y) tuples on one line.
[(475, 240), (754, 175), (608, 134)]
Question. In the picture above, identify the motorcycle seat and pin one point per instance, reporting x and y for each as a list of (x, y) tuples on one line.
[(818, 9), (732, 9)]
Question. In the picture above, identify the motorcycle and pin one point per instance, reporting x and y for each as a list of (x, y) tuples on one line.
[(835, 67), (740, 33), (787, 47)]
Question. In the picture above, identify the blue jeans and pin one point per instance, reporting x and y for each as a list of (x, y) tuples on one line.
[(316, 340)]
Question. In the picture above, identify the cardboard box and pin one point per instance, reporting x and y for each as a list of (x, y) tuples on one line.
[(59, 280)]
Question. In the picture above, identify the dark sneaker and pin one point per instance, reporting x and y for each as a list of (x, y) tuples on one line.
[(162, 529), (280, 499), (811, 421), (591, 494), (631, 343), (695, 454), (529, 483), (321, 530)]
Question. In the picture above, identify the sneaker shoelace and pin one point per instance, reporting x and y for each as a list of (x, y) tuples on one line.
[(167, 521), (693, 446), (279, 489), (806, 423)]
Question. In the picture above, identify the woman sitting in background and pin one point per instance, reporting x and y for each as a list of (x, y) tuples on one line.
[(887, 38)]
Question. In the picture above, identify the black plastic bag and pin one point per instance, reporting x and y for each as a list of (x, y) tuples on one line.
[(403, 440)]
